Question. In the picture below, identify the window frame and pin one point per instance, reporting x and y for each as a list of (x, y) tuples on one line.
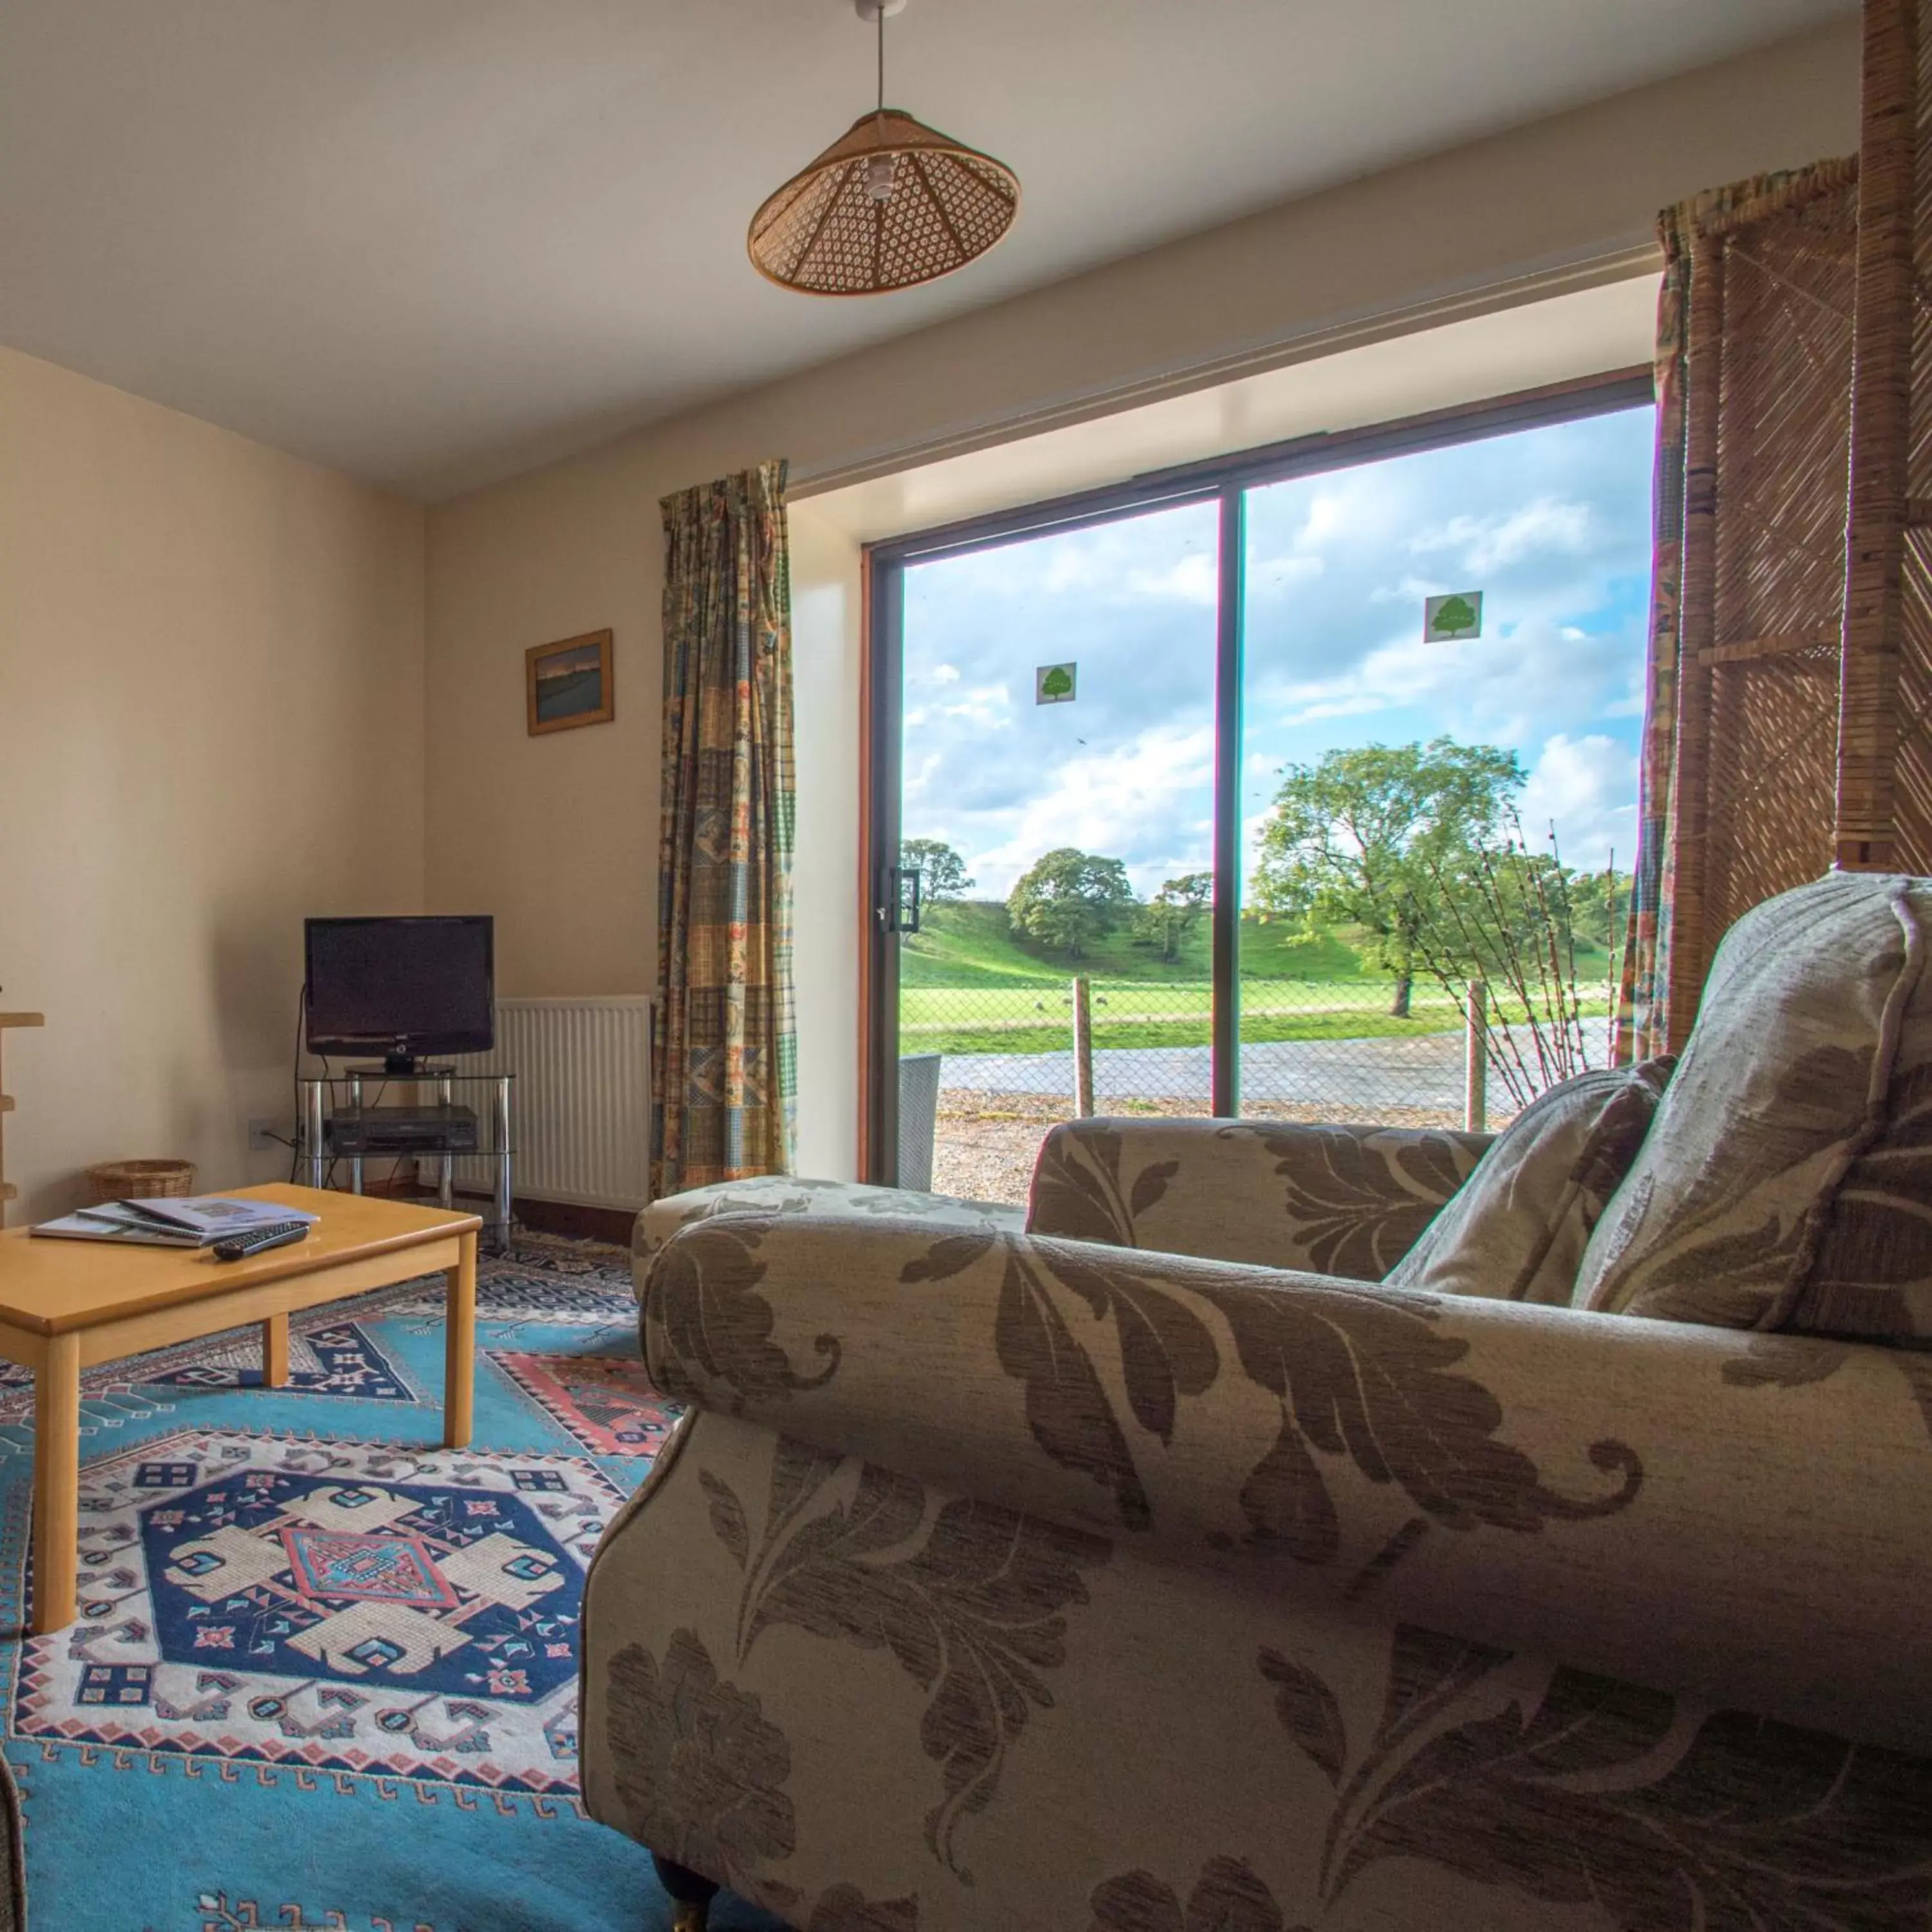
[(1222, 479)]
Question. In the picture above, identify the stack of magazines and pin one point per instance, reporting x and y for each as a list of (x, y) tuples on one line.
[(196, 1222)]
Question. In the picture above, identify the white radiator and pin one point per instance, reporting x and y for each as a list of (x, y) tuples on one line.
[(580, 1105)]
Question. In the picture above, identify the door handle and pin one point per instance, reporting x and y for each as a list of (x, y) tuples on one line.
[(899, 901)]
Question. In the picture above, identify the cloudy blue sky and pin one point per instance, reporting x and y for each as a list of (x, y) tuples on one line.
[(1552, 526)]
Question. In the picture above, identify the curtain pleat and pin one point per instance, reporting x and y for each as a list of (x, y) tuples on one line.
[(724, 1069), (1646, 966)]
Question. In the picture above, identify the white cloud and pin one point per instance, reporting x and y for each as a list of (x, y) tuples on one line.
[(1193, 579), (1267, 574), (1587, 788), (1149, 802), (1484, 544), (1552, 525), (1499, 688)]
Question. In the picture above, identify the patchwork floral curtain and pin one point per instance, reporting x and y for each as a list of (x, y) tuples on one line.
[(1690, 339), (1638, 1031), (723, 1073)]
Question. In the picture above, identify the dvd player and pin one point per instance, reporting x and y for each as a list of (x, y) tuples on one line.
[(361, 1130)]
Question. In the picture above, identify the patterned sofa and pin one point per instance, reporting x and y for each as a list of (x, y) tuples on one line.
[(1252, 1542)]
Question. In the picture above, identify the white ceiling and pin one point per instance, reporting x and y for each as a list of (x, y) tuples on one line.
[(431, 242)]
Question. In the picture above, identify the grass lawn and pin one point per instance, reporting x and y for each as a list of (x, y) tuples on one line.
[(966, 985)]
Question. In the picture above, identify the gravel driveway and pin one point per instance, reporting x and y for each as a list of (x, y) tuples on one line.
[(995, 1107)]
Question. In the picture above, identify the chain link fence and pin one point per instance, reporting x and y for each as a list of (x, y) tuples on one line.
[(1015, 1061)]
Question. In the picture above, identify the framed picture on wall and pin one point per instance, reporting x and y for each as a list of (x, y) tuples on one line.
[(568, 683)]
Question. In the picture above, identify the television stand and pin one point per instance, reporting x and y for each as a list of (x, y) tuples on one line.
[(477, 1126)]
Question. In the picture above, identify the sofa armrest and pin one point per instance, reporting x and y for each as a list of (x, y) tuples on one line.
[(1347, 1200), (789, 1194), (1730, 1518)]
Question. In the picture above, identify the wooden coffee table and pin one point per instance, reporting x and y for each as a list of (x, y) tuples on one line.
[(67, 1305)]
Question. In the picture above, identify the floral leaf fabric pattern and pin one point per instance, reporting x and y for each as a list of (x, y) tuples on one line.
[(844, 1908), (1308, 1713), (1756, 1825), (946, 1258), (1576, 1789), (1077, 1193), (1345, 1200), (1794, 1361), (1367, 1375), (700, 1769), (1227, 1897), (1777, 1361), (705, 1310), (1872, 1275), (727, 1517), (971, 1605), (1360, 1213), (1166, 1350), (1066, 1405)]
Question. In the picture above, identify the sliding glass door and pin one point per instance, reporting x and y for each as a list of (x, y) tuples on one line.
[(1211, 795), (1442, 697)]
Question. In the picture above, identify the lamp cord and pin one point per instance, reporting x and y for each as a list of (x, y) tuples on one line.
[(881, 109)]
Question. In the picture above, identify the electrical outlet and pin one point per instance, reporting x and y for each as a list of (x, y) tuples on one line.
[(262, 1137)]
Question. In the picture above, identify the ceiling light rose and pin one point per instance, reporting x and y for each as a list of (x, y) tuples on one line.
[(891, 204)]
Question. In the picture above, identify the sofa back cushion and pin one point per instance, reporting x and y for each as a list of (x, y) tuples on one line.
[(1872, 1275), (1784, 1085), (1345, 1201), (1516, 1229)]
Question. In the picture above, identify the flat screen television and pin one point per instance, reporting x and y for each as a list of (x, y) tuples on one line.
[(402, 987)]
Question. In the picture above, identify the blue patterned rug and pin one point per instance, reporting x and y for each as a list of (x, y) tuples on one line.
[(325, 1675)]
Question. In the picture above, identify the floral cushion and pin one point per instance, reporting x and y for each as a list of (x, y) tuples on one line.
[(1785, 1083), (1517, 1228)]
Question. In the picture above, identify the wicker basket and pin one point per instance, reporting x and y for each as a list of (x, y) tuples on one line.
[(140, 1179)]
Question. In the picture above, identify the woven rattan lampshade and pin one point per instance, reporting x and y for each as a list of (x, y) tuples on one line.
[(891, 204)]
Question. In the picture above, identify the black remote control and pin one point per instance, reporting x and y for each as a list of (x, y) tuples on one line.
[(276, 1235)]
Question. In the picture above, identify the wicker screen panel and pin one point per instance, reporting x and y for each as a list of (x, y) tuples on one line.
[(1912, 796), (1773, 777), (1782, 422), (1769, 356)]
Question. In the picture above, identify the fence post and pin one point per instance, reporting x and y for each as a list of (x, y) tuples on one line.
[(1476, 1073), (1083, 1049)]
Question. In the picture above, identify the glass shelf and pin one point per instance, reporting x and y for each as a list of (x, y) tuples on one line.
[(344, 1097)]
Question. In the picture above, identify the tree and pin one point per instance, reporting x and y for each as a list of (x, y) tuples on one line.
[(1600, 903), (1164, 919), (945, 871), (1069, 899), (1376, 835)]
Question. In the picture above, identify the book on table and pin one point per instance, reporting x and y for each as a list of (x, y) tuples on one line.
[(197, 1221)]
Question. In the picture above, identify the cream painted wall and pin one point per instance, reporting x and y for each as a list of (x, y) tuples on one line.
[(557, 836), (210, 724), (825, 873)]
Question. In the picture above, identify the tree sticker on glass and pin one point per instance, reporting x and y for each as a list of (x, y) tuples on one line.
[(1446, 620), (1053, 684)]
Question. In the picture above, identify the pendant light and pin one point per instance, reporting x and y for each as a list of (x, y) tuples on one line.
[(891, 204)]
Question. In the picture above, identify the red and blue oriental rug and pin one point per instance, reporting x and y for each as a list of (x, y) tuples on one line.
[(324, 1674)]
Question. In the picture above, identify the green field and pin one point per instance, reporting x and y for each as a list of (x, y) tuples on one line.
[(968, 985)]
